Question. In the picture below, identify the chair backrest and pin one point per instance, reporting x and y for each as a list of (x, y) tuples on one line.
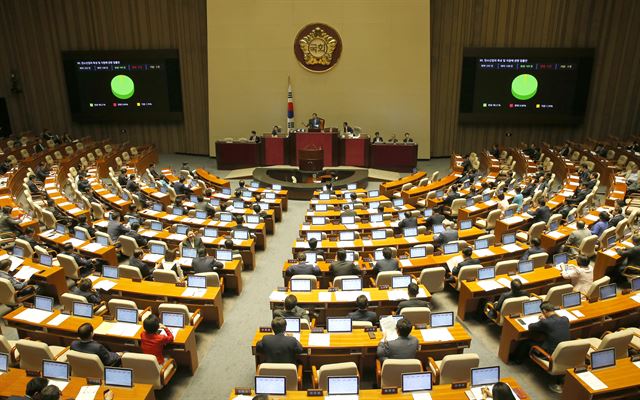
[(49, 219), (289, 371), (165, 275), (433, 279), (7, 292), (113, 304), (212, 278), (337, 369), (621, 227), (416, 315), (619, 340), (457, 367), (492, 218), (505, 267), (456, 205), (554, 295), (104, 235), (32, 353), (594, 290), (127, 271), (85, 365), (129, 245), (145, 368), (28, 250), (587, 246), (176, 308), (467, 272), (5, 346), (539, 259), (511, 306), (569, 354), (535, 231), (69, 266), (604, 236), (386, 277), (97, 211), (392, 370), (67, 300)]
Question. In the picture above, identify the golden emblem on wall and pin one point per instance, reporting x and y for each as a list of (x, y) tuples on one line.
[(317, 47)]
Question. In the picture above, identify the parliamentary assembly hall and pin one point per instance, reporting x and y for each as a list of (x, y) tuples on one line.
[(331, 199)]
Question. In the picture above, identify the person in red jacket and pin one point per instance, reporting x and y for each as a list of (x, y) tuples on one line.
[(153, 341)]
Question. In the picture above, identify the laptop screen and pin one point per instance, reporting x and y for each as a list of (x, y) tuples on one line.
[(157, 249), (193, 198), (210, 232), (486, 273), (238, 204), (373, 193), (321, 207), (44, 303), (571, 299), (201, 214), (469, 202), (485, 376), (486, 197), (342, 385), (481, 244), (293, 325), (508, 213), (226, 217), (635, 284), (337, 325), (466, 224), (415, 382), (61, 229), (226, 191), (240, 234), (347, 236), (110, 272), (199, 282), (607, 291), (84, 310), (350, 256), (276, 187), (416, 252), (441, 319), (571, 217), (352, 186), (246, 193), (531, 307), (118, 377), (311, 257), (348, 219), (156, 207), (127, 315), (80, 235), (45, 260), (553, 226), (603, 358), (379, 234), (18, 251), (104, 241), (374, 218), (177, 211), (398, 202), (314, 235), (450, 248), (427, 212), (438, 229), (270, 196), (508, 238), (182, 229), (374, 205), (224, 255), (156, 225), (275, 385), (410, 232), (525, 266), (352, 284), (252, 218), (189, 252), (324, 196), (300, 285), (611, 240), (400, 282), (4, 362), (439, 193), (560, 258), (55, 370), (172, 320), (214, 202)]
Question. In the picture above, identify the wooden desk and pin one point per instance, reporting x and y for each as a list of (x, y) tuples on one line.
[(107, 253), (51, 279), (394, 157), (14, 382), (358, 347), (600, 316), (211, 179), (336, 214), (623, 382), (326, 277), (183, 349), (389, 188), (231, 272), (413, 195)]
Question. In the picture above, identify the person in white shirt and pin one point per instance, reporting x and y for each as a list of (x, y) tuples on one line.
[(503, 204), (581, 276)]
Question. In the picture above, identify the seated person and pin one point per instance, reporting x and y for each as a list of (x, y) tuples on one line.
[(86, 344), (122, 177), (533, 249), (115, 227), (434, 219), (362, 313), (467, 252), (84, 289), (503, 203), (19, 285), (51, 392), (87, 266), (404, 347), (387, 263), (136, 261), (449, 234), (180, 188), (291, 309), (341, 266), (278, 348), (412, 291), (581, 275), (33, 389), (407, 138), (194, 242), (203, 205), (499, 391), (632, 254), (8, 224), (31, 184), (347, 211), (408, 221), (228, 245), (83, 183), (152, 340), (141, 241), (313, 247), (377, 138), (516, 291), (29, 237), (601, 225), (132, 185), (206, 264), (541, 213), (82, 223), (303, 267), (576, 237)]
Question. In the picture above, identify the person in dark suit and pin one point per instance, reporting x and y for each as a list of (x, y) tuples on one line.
[(578, 196), (42, 171), (194, 242), (133, 233), (86, 344), (291, 309), (412, 291), (313, 247), (533, 249), (347, 211), (203, 205), (115, 227), (28, 236), (404, 347), (83, 288), (434, 219), (136, 261), (387, 263), (278, 348), (122, 178), (542, 213), (452, 194), (346, 128), (591, 182), (39, 147), (616, 216), (206, 264), (33, 389), (408, 221), (180, 188), (393, 139), (132, 185), (254, 137), (377, 138), (632, 254), (362, 313), (448, 235), (341, 266), (495, 151), (82, 223), (19, 285), (466, 260), (303, 267), (31, 184), (84, 185), (516, 291), (407, 138), (153, 172), (275, 131), (87, 266)]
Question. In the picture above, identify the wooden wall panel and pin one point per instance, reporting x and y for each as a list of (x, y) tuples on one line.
[(33, 33), (612, 27)]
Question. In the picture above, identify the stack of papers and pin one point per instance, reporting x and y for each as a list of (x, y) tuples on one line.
[(412, 239), (93, 247), (303, 245), (351, 226), (88, 392), (185, 261), (388, 327), (490, 203), (25, 273), (483, 253), (367, 243), (453, 261), (397, 294), (378, 225), (60, 318), (406, 262), (342, 397), (194, 292), (319, 340), (277, 296), (565, 313), (472, 208), (436, 335), (345, 243), (489, 284), (33, 315), (75, 242), (104, 285), (555, 235), (152, 257), (504, 282), (325, 297), (512, 248), (611, 252), (636, 298), (122, 329), (350, 296), (15, 263), (58, 383), (591, 380), (512, 220), (177, 237), (528, 320)]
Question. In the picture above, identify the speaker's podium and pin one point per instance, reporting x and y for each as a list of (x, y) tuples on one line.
[(311, 159)]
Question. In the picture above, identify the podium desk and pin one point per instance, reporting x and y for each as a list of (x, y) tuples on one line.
[(358, 347), (275, 150), (355, 151), (234, 155), (393, 157), (328, 142), (622, 383)]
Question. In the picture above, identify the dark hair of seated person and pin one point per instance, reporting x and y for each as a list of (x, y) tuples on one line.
[(403, 327), (35, 386), (84, 284), (51, 392), (151, 324), (278, 325), (501, 391), (413, 289), (85, 331), (290, 302), (362, 302)]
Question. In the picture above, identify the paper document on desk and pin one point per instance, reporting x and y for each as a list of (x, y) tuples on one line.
[(76, 210), (397, 294), (64, 204), (472, 208), (123, 329), (277, 296), (58, 383), (406, 262), (342, 397), (75, 242), (511, 248), (33, 315), (436, 335), (528, 320), (512, 220), (88, 392), (177, 237), (483, 253), (636, 298), (565, 313), (93, 278), (243, 397), (590, 217), (105, 285), (60, 318), (378, 225), (325, 297), (351, 226), (154, 258), (303, 245), (489, 284), (591, 380), (25, 273), (350, 295), (421, 396), (194, 292), (611, 252), (504, 282), (388, 327), (93, 247), (556, 234), (367, 243), (490, 203), (185, 261), (15, 263), (319, 340), (345, 243), (636, 363), (577, 313), (453, 261)]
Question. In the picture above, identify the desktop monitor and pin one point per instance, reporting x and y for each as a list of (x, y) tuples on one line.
[(4, 362), (240, 234), (525, 266), (398, 202), (466, 224), (55, 370), (239, 204), (163, 189), (348, 219), (603, 358), (124, 196), (347, 236), (226, 217), (156, 225), (79, 235), (45, 259), (611, 240), (342, 385), (481, 244), (441, 319), (189, 252), (199, 282), (276, 187), (607, 291), (246, 193), (121, 377), (254, 184), (210, 232), (127, 315), (571, 217), (61, 229), (485, 376), (271, 385), (635, 284), (157, 207), (410, 232), (486, 273), (416, 382), (311, 257), (182, 229), (486, 197), (18, 251), (417, 252), (224, 255), (157, 249), (201, 214), (400, 282), (508, 213), (377, 255), (314, 235), (321, 207), (293, 325), (351, 284), (438, 229), (270, 196), (427, 212), (379, 234), (374, 205), (508, 238), (553, 226), (44, 303), (214, 202), (226, 191), (177, 211), (301, 285), (439, 193), (450, 248), (172, 319), (324, 196), (373, 193), (252, 218), (531, 307), (374, 218), (193, 198), (352, 186), (104, 241), (572, 299), (560, 258), (109, 271), (84, 310), (469, 202)]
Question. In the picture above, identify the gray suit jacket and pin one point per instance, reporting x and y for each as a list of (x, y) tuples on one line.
[(401, 348), (577, 236), (340, 268), (386, 265)]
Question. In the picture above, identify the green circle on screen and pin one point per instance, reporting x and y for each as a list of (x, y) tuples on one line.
[(122, 87), (524, 87)]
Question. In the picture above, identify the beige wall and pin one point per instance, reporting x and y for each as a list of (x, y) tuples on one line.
[(380, 83)]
